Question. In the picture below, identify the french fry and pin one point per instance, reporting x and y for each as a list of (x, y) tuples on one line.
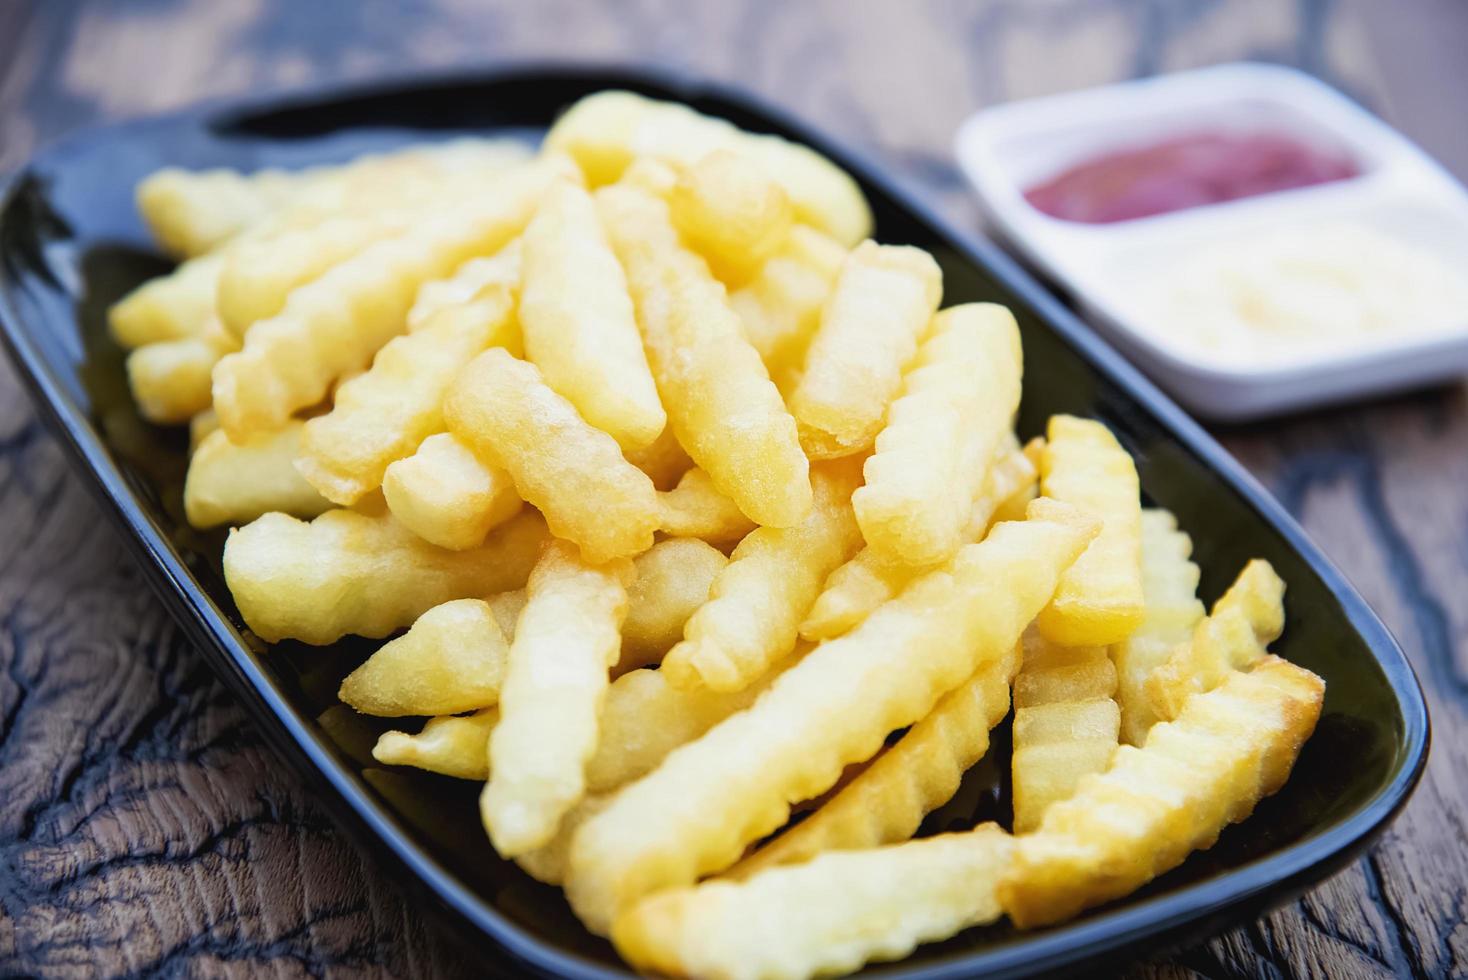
[(336, 323), (757, 601), (1227, 749), (697, 811), (549, 863), (881, 305), (888, 800), (590, 495), (696, 509), (349, 572), (578, 322), (1100, 600), (228, 483), (171, 379), (383, 414), (452, 659), (193, 212), (565, 641), (829, 916), (957, 403), (721, 404), (664, 461), (732, 213), (605, 132), (673, 580), (451, 745), (447, 495), (172, 307), (1066, 724), (780, 307), (1234, 636), (862, 584), (476, 276), (1169, 591)]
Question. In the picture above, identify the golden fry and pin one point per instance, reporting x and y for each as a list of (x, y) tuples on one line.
[(235, 484), (1065, 725), (826, 917), (1169, 590), (732, 213), (565, 641), (349, 572), (590, 495), (1226, 750), (171, 379), (673, 580), (721, 404), (1100, 601), (696, 509), (481, 276), (382, 415), (451, 660), (697, 811), (578, 322), (758, 600), (450, 745), (888, 800), (1244, 621), (447, 495), (933, 456), (193, 212), (780, 307), (172, 307), (607, 131), (870, 328), (336, 323)]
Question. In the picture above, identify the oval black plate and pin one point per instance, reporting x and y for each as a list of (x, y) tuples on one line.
[(71, 243)]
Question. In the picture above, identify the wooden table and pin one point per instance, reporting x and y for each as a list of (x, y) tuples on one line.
[(145, 828)]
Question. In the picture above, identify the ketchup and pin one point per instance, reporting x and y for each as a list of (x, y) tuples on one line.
[(1185, 172)]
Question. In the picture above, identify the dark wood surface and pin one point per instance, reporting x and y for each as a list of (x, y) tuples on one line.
[(145, 828)]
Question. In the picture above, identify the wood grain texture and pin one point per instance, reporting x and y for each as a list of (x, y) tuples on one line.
[(146, 829)]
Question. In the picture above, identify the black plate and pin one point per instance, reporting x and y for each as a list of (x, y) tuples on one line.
[(71, 243)]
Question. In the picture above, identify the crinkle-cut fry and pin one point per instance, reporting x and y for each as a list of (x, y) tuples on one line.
[(673, 580), (1100, 600), (350, 572), (336, 323), (565, 641), (170, 307), (1234, 636), (755, 607), (171, 379), (780, 307), (578, 322), (664, 462), (888, 800), (450, 745), (957, 402), (882, 303), (193, 212), (721, 404), (231, 483), (590, 495), (708, 800), (447, 495), (383, 414), (451, 660), (503, 269), (732, 213), (1066, 724), (1227, 749), (862, 584), (696, 509), (607, 131), (826, 917), (1172, 611)]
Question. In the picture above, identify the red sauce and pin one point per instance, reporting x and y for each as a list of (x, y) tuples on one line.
[(1185, 172)]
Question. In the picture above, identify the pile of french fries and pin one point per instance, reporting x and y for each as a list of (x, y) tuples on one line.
[(690, 498)]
